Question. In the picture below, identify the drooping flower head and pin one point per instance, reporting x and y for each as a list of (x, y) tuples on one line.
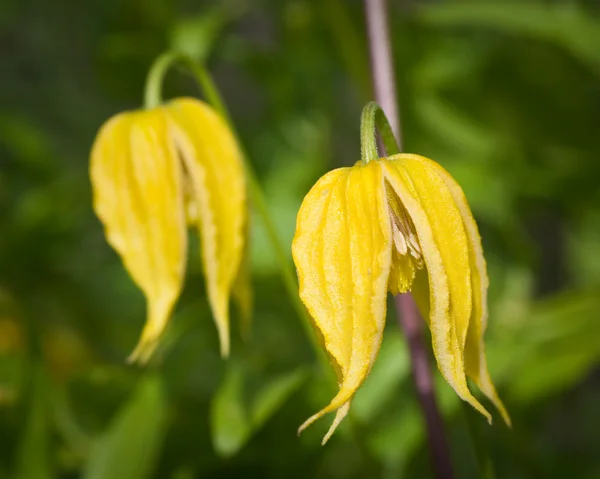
[(155, 171), (399, 223)]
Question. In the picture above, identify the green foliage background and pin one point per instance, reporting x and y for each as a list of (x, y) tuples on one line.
[(505, 95)]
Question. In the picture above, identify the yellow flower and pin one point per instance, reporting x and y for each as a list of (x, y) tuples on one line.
[(153, 172), (395, 224)]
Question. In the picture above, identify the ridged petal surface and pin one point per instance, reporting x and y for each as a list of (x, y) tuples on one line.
[(445, 250), (342, 252), (213, 163), (138, 196), (475, 360)]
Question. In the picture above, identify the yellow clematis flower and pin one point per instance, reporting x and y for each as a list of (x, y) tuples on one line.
[(395, 224), (153, 172)]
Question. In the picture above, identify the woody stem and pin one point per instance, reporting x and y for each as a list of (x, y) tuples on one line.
[(382, 71)]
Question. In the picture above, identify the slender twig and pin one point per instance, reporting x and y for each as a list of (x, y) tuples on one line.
[(384, 82), (382, 68)]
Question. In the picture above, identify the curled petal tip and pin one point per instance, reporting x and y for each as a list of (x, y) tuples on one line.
[(309, 421), (505, 417), (225, 349), (142, 352), (476, 405), (339, 416), (216, 181), (222, 322)]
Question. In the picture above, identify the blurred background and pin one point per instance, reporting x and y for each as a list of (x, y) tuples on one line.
[(505, 95)]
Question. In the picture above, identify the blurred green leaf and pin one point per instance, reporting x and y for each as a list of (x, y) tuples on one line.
[(584, 247), (567, 25), (300, 146), (33, 458), (196, 35), (273, 394), (390, 370), (129, 449), (553, 345), (229, 418), (454, 127), (26, 141), (236, 415)]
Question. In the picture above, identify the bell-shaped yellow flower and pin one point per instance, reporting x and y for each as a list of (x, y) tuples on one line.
[(395, 224), (152, 172)]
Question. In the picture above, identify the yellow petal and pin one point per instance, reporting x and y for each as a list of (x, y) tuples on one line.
[(443, 242), (475, 360), (213, 163), (342, 252), (138, 196)]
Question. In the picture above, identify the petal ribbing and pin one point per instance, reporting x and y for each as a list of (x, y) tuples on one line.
[(138, 196), (342, 251), (475, 360), (213, 163), (443, 243)]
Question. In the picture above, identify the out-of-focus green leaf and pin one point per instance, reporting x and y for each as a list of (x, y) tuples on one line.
[(584, 248), (33, 454), (390, 369), (195, 36), (130, 447), (400, 430), (548, 373), (300, 147), (272, 395), (229, 418), (454, 127), (235, 416), (25, 141), (567, 25), (555, 343), (518, 17)]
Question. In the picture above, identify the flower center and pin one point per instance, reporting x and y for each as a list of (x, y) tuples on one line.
[(403, 232), (407, 256)]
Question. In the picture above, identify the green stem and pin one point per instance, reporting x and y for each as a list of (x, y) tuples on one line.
[(213, 97), (155, 78), (373, 116)]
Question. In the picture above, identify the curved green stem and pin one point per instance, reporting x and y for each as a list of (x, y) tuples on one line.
[(155, 78), (213, 97), (373, 116)]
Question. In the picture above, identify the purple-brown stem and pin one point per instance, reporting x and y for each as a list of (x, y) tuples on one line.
[(384, 82)]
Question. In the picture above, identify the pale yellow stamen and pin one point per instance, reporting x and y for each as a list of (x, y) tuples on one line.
[(404, 236)]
